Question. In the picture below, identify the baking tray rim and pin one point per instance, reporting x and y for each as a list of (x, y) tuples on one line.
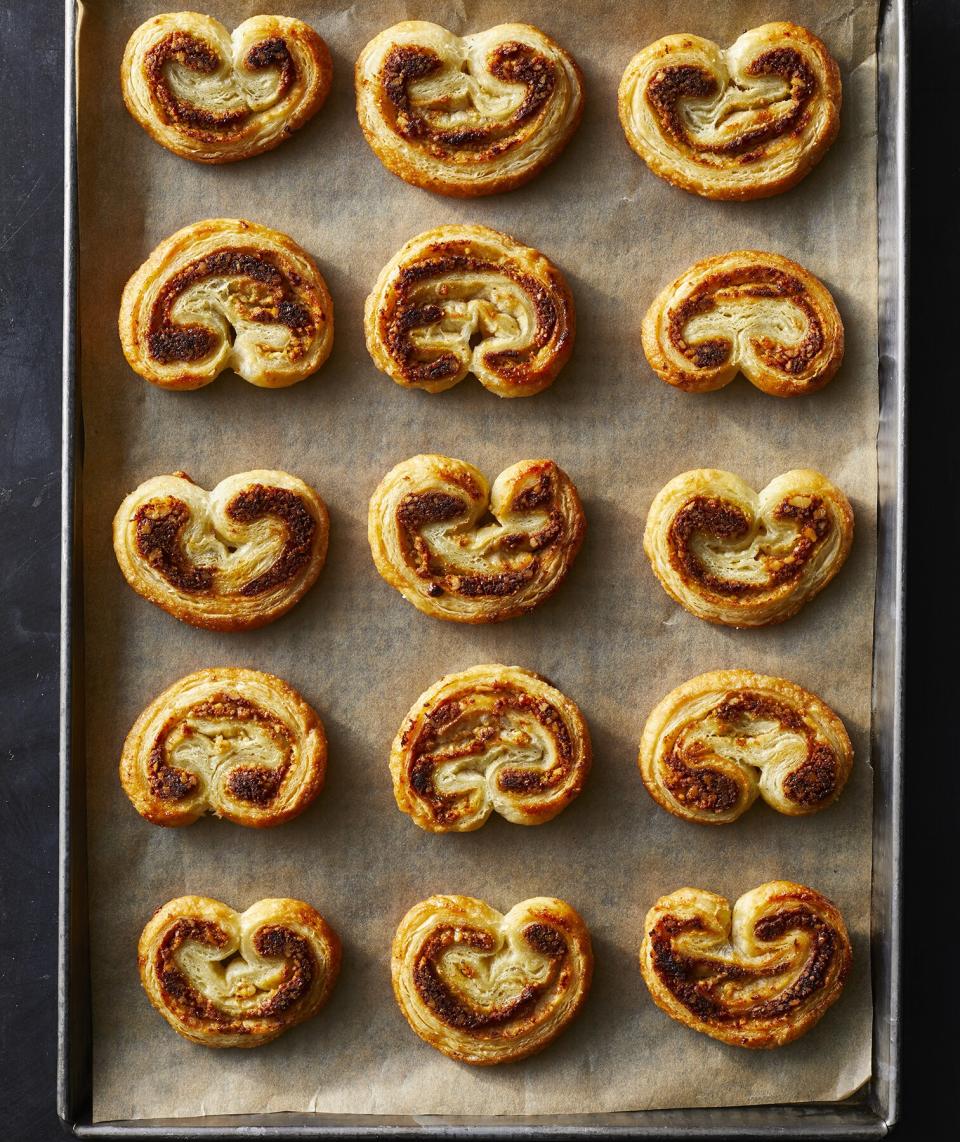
[(870, 1113)]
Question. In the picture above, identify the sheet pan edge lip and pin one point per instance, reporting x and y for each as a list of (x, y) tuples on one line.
[(869, 1127), (65, 1111)]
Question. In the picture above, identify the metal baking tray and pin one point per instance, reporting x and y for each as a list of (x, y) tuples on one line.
[(873, 1110)]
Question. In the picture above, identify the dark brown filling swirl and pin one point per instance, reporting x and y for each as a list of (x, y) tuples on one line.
[(256, 785), (708, 515), (201, 123), (509, 62), (159, 538), (270, 298), (751, 284), (704, 984), (456, 1011), (418, 509), (270, 941), (692, 782), (404, 314), (456, 729), (671, 84)]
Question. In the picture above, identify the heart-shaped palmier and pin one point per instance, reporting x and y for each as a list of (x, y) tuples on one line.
[(716, 743), (214, 97), (231, 559), (428, 538), (222, 978), (237, 743), (758, 977), (226, 294), (487, 988), (467, 115), (745, 312), (490, 739), (467, 299), (745, 122), (743, 558)]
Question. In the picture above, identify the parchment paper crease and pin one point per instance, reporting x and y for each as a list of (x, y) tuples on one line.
[(610, 637)]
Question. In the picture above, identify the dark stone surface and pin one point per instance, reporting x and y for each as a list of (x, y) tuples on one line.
[(31, 66)]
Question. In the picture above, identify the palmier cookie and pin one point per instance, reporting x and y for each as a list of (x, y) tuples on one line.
[(746, 122), (734, 556), (231, 559), (226, 294), (214, 97), (745, 312), (222, 978), (490, 739), (487, 988), (758, 977), (237, 743), (469, 115), (467, 299), (716, 743), (428, 540)]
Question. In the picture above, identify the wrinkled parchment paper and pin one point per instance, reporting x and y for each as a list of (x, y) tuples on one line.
[(610, 638)]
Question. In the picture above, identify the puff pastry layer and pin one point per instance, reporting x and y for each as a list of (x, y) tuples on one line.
[(745, 312), (489, 739), (734, 556), (467, 299), (214, 97), (716, 743), (226, 294), (487, 988), (759, 976), (469, 115), (746, 122), (237, 743), (222, 978), (428, 540), (231, 559)]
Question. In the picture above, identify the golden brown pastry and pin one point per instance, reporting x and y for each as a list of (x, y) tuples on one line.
[(226, 294), (491, 738), (758, 977), (487, 988), (214, 97), (467, 115), (237, 979), (467, 299), (746, 122), (428, 540), (746, 559), (231, 559), (716, 743), (745, 312), (236, 743)]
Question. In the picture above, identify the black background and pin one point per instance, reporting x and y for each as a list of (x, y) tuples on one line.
[(31, 211)]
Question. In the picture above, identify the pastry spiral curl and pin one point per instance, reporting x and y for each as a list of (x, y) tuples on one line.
[(237, 743), (746, 122), (214, 97), (489, 739), (716, 743), (759, 976), (226, 294), (428, 541), (231, 559), (487, 988), (734, 556), (222, 978), (745, 312), (467, 116), (467, 299)]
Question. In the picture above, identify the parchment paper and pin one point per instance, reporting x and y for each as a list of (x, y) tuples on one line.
[(610, 638)]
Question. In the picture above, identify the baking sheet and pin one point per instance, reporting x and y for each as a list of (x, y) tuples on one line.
[(610, 638)]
